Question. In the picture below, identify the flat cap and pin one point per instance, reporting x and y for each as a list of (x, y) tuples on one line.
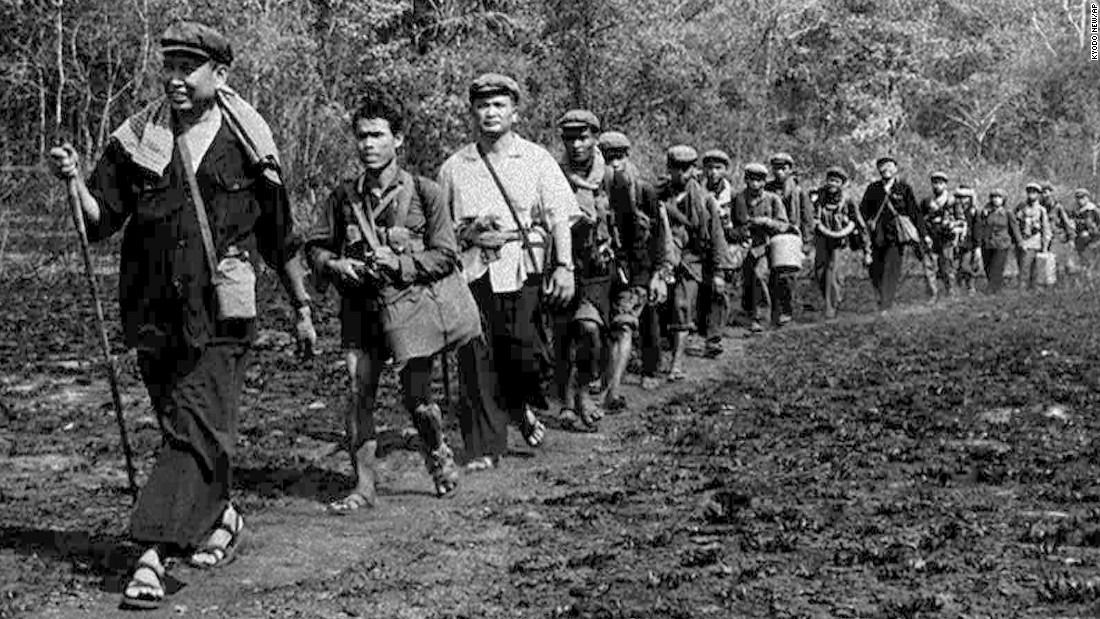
[(997, 191), (837, 172), (610, 140), (192, 37), (579, 119), (1047, 187), (490, 84), (1036, 187), (938, 176), (884, 159), (716, 155), (1081, 192), (682, 153), (756, 169), (781, 158)]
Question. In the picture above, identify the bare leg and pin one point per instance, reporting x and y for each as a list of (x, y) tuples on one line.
[(621, 344), (679, 339), (364, 370)]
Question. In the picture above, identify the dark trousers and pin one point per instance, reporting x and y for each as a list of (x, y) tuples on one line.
[(512, 325), (483, 422), (886, 273), (754, 289), (714, 306), (995, 261), (782, 286), (827, 271), (649, 339), (196, 394)]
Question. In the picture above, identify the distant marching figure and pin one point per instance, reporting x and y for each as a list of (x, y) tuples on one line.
[(995, 233), (840, 226), (885, 203), (196, 174), (1035, 234), (969, 256), (1087, 224)]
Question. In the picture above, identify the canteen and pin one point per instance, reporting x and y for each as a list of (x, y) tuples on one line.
[(1046, 268), (785, 253)]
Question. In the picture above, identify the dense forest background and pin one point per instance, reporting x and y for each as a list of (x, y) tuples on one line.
[(994, 91)]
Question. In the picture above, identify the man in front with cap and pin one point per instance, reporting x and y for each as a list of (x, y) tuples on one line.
[(1086, 221), (839, 226), (714, 303), (580, 327), (197, 177), (514, 212), (945, 223), (643, 257), (800, 211), (1035, 234), (760, 214), (697, 234), (884, 202)]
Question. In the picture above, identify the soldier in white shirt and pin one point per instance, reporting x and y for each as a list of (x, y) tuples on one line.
[(513, 209)]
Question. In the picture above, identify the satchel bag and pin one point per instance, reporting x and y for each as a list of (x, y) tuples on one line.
[(906, 229), (422, 319), (233, 277)]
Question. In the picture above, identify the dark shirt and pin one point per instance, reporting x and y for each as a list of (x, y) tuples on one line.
[(995, 228), (416, 204), (800, 209), (696, 228), (165, 292), (636, 224), (746, 207), (883, 230)]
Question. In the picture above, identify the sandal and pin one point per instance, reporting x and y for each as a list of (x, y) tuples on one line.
[(532, 429), (223, 553), (352, 502), (441, 466), (571, 422), (484, 463), (144, 592)]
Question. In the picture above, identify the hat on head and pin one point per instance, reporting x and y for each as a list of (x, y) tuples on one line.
[(836, 172), (997, 191), (490, 84), (610, 140), (579, 119), (937, 176), (192, 37), (781, 158), (884, 159), (1047, 187), (682, 154), (716, 155), (964, 191), (756, 169), (1036, 187), (1081, 192)]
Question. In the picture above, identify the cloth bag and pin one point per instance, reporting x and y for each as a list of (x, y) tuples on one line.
[(422, 320)]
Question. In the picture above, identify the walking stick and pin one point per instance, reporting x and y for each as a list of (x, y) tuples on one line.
[(108, 358)]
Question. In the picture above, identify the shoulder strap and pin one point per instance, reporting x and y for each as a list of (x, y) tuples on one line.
[(200, 206), (366, 226), (511, 207)]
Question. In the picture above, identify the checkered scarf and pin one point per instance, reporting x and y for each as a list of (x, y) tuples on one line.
[(147, 135)]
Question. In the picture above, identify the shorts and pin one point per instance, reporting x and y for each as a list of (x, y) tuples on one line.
[(685, 298), (361, 325), (593, 302), (626, 311)]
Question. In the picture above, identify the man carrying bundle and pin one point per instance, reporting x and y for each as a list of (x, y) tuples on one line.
[(800, 212), (196, 174), (760, 214), (840, 226)]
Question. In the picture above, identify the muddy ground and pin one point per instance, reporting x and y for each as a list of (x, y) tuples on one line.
[(937, 462)]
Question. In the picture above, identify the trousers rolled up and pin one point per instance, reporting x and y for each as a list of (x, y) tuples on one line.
[(196, 395)]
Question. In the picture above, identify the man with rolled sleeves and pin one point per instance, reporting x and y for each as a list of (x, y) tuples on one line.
[(643, 265), (580, 327), (697, 235), (760, 214), (490, 184), (714, 303), (196, 168), (800, 212)]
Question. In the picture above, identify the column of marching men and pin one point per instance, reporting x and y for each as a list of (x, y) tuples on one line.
[(511, 260)]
